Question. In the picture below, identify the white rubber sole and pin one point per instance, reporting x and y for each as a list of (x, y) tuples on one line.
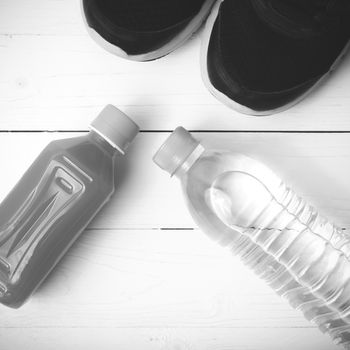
[(172, 45), (235, 105)]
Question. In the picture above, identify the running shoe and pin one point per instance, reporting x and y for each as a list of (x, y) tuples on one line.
[(262, 56)]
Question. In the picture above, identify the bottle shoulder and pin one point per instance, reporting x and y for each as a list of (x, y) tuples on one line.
[(214, 163), (219, 175)]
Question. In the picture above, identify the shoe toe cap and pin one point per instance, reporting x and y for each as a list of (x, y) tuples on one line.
[(131, 41), (249, 100)]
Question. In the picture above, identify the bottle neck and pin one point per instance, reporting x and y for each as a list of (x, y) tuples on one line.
[(103, 143), (189, 161)]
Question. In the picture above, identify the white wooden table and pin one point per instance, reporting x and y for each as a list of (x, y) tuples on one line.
[(143, 276)]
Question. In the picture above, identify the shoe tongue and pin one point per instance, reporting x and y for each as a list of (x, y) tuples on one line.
[(294, 17)]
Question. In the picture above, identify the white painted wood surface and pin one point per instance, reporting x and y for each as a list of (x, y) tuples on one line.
[(52, 76), (143, 276)]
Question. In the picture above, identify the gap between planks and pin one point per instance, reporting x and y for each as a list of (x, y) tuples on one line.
[(194, 131)]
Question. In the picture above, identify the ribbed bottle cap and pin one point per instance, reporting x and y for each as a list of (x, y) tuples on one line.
[(115, 127), (175, 150)]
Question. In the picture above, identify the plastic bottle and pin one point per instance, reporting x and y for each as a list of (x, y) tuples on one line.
[(246, 207), (55, 200)]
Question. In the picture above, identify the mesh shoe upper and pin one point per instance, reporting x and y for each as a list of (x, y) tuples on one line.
[(265, 53), (140, 26), (148, 15)]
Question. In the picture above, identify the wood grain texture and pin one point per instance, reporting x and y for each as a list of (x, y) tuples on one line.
[(54, 77), (131, 272), (117, 286), (166, 339), (316, 166)]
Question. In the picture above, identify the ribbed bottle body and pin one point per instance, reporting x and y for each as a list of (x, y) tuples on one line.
[(297, 251)]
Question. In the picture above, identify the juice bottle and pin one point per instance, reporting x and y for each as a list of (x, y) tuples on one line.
[(54, 201)]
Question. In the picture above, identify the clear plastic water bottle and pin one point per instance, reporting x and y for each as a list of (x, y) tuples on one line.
[(246, 207), (55, 200)]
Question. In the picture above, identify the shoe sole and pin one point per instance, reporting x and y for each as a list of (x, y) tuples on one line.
[(172, 45), (235, 105)]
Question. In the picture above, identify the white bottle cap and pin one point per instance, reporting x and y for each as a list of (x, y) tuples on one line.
[(175, 150), (115, 127)]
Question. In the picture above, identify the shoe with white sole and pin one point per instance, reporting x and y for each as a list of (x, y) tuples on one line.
[(143, 30), (260, 57)]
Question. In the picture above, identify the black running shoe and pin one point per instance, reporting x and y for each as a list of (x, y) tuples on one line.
[(143, 30), (262, 56)]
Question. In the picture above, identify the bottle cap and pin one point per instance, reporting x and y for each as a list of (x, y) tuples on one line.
[(115, 127), (175, 150)]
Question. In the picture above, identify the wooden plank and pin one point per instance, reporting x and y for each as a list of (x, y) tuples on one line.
[(40, 17), (164, 339), (316, 166), (151, 281), (152, 278), (54, 77)]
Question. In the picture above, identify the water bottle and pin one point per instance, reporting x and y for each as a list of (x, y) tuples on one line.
[(55, 200), (244, 206)]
